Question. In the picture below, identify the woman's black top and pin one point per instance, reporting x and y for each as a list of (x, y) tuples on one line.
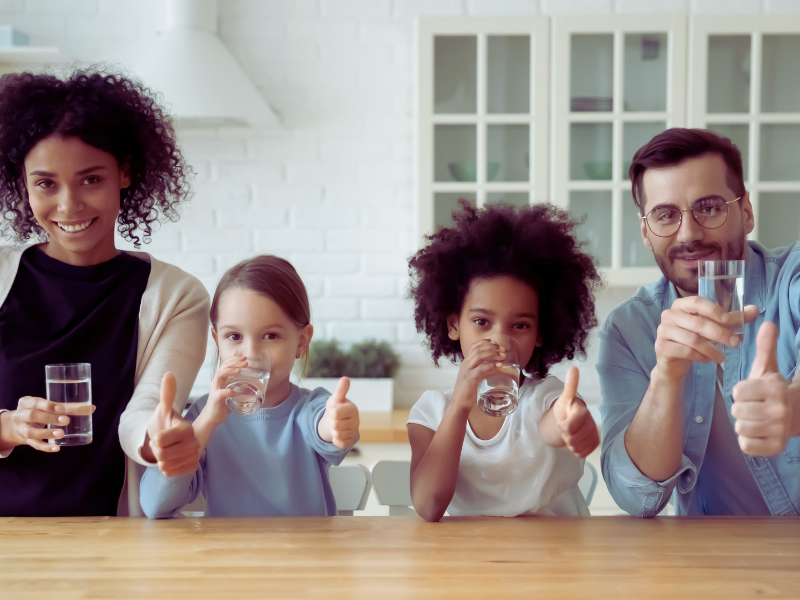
[(60, 313)]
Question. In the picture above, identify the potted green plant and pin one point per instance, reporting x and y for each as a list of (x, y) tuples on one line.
[(370, 365)]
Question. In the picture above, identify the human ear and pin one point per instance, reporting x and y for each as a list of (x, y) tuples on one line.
[(452, 327), (305, 340), (125, 174), (539, 342), (214, 337), (747, 211), (645, 231)]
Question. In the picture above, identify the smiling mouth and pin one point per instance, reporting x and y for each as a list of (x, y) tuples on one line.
[(74, 227)]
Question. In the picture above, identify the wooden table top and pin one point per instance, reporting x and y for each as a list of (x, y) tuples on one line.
[(384, 427), (400, 557)]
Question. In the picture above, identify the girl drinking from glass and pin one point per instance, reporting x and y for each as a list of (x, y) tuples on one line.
[(520, 273), (274, 461)]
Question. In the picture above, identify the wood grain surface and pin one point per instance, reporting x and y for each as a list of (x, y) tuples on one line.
[(400, 557)]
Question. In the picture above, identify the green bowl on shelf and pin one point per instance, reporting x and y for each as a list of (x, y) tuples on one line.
[(468, 170), (598, 169)]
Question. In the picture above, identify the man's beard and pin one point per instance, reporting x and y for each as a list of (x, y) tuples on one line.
[(734, 251)]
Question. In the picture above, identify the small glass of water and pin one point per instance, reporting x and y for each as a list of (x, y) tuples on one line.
[(250, 385), (498, 395), (722, 282), (71, 384)]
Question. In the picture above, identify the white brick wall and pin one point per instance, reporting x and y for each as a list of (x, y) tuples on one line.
[(333, 190)]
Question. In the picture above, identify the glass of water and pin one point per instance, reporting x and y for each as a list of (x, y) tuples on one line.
[(498, 395), (71, 385), (722, 282), (250, 385)]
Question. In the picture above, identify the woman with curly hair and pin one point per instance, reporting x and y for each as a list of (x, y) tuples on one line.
[(502, 271), (79, 158)]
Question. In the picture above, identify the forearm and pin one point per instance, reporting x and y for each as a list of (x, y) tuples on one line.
[(654, 439), (549, 430), (433, 482), (8, 438)]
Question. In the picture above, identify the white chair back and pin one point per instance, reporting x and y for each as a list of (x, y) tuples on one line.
[(588, 482), (351, 485), (392, 481)]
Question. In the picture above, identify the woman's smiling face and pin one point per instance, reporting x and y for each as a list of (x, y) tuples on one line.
[(74, 193)]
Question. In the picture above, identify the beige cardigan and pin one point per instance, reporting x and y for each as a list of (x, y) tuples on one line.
[(173, 332)]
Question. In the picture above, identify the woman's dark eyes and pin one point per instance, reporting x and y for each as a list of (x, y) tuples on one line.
[(45, 183), (91, 180)]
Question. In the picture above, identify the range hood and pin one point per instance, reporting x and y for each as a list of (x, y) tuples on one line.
[(201, 81)]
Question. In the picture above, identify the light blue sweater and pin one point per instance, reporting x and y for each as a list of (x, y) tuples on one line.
[(269, 464)]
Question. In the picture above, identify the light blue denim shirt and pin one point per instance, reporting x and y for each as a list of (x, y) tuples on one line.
[(627, 356)]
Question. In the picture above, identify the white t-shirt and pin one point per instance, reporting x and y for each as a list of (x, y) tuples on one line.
[(515, 472)]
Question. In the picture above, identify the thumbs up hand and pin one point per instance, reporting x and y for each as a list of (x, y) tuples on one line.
[(171, 440), (578, 429), (340, 422), (761, 405)]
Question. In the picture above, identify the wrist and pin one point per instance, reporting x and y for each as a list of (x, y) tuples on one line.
[(8, 433), (661, 378)]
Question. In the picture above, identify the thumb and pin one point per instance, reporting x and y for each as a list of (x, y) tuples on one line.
[(169, 388), (340, 395), (570, 386), (766, 351)]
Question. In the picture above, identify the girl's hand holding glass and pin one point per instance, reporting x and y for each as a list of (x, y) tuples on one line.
[(217, 405), (578, 429), (340, 422), (484, 359), (27, 425)]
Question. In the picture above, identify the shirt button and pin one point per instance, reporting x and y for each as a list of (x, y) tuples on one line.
[(698, 419)]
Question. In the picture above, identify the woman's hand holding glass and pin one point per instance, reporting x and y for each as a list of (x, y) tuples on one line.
[(27, 425)]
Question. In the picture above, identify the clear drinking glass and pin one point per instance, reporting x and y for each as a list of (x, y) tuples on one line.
[(722, 282), (498, 395), (250, 384), (71, 385)]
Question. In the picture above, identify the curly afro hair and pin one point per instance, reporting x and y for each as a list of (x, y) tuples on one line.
[(110, 112), (535, 244)]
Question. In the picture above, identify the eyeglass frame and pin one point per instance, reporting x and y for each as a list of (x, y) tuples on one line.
[(690, 209)]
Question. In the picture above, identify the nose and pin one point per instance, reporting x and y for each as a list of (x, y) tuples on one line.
[(689, 231), (70, 202)]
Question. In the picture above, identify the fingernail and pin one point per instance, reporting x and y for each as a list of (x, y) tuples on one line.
[(59, 409), (63, 419), (55, 448), (734, 340)]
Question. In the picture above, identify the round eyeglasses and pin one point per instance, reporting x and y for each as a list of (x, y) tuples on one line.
[(710, 213)]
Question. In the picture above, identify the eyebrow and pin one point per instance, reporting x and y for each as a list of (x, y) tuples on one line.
[(484, 311), (273, 326), (82, 172), (667, 205)]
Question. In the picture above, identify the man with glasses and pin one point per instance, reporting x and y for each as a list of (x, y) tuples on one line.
[(688, 405)]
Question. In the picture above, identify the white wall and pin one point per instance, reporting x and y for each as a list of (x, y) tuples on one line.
[(332, 191)]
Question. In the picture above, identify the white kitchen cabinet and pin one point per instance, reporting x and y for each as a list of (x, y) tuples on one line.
[(745, 84), (482, 108), (617, 83)]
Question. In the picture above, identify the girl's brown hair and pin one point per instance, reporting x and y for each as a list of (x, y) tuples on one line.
[(274, 278)]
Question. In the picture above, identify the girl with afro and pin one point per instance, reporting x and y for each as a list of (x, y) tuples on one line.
[(519, 272), (81, 158)]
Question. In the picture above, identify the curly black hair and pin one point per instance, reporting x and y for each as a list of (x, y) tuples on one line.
[(111, 112), (535, 244)]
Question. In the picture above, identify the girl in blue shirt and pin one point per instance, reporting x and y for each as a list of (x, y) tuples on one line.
[(273, 462)]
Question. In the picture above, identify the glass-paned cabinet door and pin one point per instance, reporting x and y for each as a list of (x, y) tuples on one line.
[(618, 81), (483, 114), (745, 85)]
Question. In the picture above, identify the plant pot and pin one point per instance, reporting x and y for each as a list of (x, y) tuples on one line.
[(368, 394)]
